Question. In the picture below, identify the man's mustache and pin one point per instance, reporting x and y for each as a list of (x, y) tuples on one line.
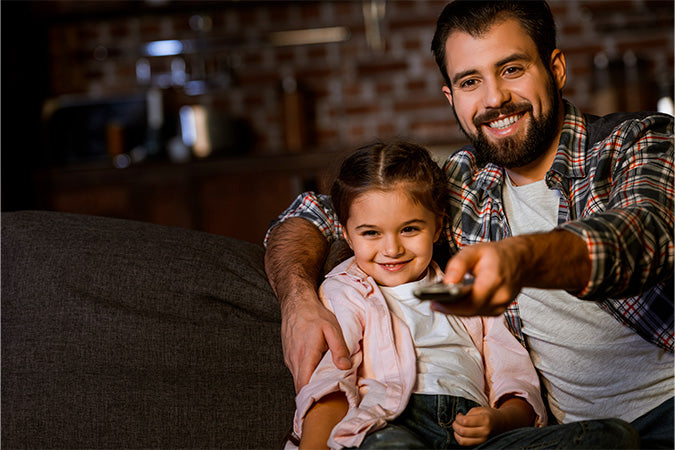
[(494, 113)]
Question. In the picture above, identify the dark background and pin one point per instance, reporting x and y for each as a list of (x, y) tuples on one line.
[(619, 53)]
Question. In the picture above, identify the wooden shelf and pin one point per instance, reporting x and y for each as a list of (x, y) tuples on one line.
[(234, 196)]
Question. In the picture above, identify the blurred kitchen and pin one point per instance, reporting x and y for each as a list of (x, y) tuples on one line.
[(213, 115)]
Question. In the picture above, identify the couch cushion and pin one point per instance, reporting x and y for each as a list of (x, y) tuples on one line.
[(127, 334)]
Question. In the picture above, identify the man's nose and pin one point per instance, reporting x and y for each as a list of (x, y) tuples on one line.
[(496, 94)]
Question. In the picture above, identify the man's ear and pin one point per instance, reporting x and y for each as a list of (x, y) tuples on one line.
[(559, 68), (448, 93)]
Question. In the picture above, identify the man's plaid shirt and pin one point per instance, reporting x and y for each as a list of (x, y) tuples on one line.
[(615, 174)]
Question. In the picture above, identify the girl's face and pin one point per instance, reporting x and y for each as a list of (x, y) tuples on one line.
[(392, 237)]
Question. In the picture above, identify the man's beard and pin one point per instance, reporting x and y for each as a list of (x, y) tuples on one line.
[(513, 152)]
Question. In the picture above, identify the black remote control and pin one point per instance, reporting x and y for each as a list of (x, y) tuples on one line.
[(445, 293)]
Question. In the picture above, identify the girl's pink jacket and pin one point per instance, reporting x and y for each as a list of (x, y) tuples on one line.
[(383, 358)]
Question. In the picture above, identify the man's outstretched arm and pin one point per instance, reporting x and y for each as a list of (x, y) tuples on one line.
[(554, 260), (295, 254)]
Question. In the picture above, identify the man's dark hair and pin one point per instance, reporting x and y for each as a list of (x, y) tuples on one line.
[(476, 17)]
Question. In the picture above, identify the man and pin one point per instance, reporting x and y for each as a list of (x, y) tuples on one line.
[(564, 219)]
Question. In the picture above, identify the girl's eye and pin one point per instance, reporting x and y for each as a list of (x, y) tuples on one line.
[(410, 229), (369, 233)]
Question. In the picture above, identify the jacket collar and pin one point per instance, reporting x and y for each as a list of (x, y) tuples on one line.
[(366, 285)]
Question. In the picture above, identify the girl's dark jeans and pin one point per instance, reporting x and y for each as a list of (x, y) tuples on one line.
[(427, 423)]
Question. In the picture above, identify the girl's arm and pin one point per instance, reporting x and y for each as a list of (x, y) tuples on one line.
[(321, 419), (481, 423), (326, 399)]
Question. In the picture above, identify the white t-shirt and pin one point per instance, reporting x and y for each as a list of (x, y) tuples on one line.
[(592, 366), (447, 360)]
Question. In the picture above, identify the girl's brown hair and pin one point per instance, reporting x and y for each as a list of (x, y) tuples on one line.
[(384, 166)]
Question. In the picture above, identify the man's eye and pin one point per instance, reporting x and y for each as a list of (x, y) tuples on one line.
[(468, 84), (513, 70)]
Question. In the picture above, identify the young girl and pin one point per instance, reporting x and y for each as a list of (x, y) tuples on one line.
[(419, 379)]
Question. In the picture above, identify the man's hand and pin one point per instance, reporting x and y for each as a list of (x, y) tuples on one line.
[(308, 329), (295, 254), (497, 278), (554, 260)]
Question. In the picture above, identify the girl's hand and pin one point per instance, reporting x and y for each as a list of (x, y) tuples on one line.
[(481, 423), (478, 425)]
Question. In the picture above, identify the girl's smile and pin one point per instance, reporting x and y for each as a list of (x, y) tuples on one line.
[(393, 267), (392, 236)]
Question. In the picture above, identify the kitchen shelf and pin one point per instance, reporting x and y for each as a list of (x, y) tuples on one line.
[(232, 196)]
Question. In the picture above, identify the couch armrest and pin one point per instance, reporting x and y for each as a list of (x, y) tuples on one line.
[(127, 334)]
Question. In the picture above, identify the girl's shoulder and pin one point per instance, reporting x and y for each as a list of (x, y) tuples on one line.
[(347, 280)]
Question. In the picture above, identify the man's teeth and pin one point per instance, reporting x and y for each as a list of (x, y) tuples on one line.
[(505, 122)]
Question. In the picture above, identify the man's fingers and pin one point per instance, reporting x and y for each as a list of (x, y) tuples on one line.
[(304, 370), (458, 266), (303, 349), (495, 280), (338, 348), (305, 343)]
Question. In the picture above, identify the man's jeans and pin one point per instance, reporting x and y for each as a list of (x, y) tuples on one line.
[(656, 428), (427, 423)]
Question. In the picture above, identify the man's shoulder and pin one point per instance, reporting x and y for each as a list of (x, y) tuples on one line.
[(464, 168), (465, 150), (599, 128), (464, 157)]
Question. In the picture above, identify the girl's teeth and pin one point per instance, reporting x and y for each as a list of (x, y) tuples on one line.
[(506, 122)]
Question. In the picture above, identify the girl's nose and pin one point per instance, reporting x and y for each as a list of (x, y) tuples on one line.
[(393, 247)]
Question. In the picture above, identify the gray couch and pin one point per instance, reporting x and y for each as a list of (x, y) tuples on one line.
[(119, 334)]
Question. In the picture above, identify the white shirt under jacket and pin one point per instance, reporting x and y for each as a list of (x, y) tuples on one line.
[(383, 372)]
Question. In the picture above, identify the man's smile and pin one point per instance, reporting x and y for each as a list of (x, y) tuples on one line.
[(502, 121), (503, 126), (505, 122)]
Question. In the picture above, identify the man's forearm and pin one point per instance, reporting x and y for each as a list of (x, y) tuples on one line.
[(294, 257), (555, 260)]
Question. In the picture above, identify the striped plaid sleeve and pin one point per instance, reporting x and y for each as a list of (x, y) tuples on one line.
[(515, 325), (317, 209), (649, 314), (628, 220)]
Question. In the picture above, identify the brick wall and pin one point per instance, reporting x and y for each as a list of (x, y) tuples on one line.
[(354, 92)]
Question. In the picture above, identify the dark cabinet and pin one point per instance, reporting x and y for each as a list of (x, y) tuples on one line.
[(236, 197)]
